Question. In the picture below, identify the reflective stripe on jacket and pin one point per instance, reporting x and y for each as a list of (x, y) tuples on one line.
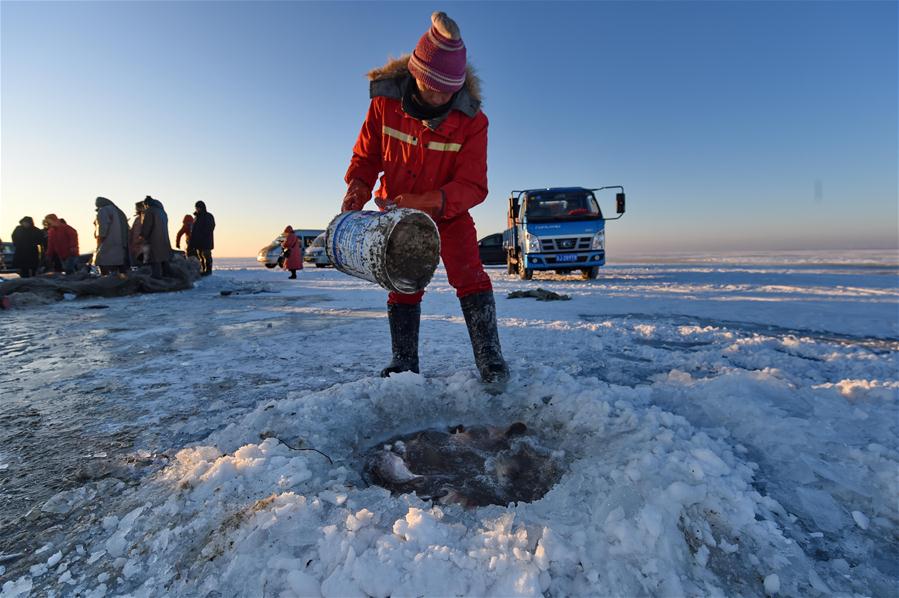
[(415, 159)]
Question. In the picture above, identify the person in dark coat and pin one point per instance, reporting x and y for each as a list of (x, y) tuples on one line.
[(27, 239), (135, 241), (46, 263), (155, 233), (201, 240)]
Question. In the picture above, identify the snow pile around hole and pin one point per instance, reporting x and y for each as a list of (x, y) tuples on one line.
[(648, 504)]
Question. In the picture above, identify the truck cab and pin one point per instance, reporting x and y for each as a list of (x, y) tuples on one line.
[(558, 228)]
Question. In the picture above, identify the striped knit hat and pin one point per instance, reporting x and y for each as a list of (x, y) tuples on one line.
[(439, 58)]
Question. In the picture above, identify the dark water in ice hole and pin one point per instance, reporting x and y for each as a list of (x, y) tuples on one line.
[(471, 466)]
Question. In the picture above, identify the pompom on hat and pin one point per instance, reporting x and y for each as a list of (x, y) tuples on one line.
[(439, 59)]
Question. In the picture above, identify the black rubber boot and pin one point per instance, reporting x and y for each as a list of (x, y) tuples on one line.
[(404, 320), (480, 316)]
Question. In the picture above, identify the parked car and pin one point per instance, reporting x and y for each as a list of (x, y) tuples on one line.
[(7, 251), (491, 250), (316, 253), (268, 255)]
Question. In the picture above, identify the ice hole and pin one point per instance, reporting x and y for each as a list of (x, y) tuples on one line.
[(470, 466)]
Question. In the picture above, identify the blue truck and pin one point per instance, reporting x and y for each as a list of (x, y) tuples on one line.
[(560, 228)]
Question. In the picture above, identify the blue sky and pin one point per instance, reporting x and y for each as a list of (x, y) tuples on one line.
[(732, 125)]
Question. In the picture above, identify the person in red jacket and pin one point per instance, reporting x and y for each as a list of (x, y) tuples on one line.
[(187, 224), (425, 136), (294, 250), (62, 244)]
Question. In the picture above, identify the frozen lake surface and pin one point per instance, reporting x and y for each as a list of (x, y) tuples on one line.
[(728, 426)]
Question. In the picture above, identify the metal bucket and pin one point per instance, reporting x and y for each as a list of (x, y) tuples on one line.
[(397, 249)]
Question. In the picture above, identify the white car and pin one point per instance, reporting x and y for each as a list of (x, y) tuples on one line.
[(268, 255), (316, 254)]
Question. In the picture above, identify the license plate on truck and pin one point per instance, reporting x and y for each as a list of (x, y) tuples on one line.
[(567, 257)]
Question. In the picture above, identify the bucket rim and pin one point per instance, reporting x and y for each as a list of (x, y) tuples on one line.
[(396, 221)]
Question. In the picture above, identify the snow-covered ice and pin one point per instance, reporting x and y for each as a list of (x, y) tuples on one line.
[(726, 426)]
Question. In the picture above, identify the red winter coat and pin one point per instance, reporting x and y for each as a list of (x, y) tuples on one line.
[(62, 241), (416, 158), (294, 261), (186, 225)]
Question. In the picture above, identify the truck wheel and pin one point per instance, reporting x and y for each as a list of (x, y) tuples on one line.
[(524, 273), (590, 273), (510, 265), (320, 265)]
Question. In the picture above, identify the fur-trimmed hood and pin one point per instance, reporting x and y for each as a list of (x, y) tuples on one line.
[(390, 80)]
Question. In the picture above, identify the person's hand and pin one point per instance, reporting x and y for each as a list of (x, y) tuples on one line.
[(357, 194), (430, 202)]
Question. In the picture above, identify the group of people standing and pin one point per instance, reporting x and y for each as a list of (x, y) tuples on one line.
[(197, 229), (119, 245), (53, 247)]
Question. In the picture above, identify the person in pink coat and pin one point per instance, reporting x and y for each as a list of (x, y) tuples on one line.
[(294, 249)]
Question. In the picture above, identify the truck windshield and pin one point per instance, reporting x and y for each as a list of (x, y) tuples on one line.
[(552, 206)]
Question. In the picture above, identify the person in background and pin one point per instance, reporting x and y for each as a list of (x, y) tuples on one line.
[(293, 251), (74, 235), (135, 242), (111, 232), (154, 231), (187, 223), (46, 263), (425, 137), (62, 244), (201, 237), (27, 238)]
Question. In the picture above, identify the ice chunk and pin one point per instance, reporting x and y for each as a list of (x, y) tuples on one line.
[(772, 584), (838, 474), (359, 520), (116, 543), (816, 582), (821, 508), (303, 584), (702, 555), (37, 570), (63, 502), (20, 587), (422, 527), (860, 519), (131, 568), (57, 556), (712, 463)]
